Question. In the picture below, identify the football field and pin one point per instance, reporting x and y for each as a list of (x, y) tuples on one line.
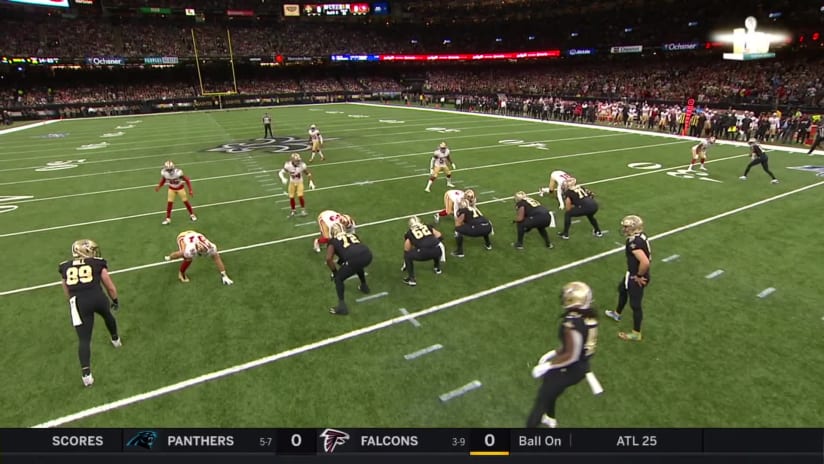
[(720, 348)]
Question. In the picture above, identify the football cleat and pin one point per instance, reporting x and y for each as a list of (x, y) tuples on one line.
[(563, 235), (632, 225), (166, 221), (488, 247), (193, 217), (630, 336), (410, 281), (449, 184), (117, 343), (364, 288), (303, 212), (702, 167), (85, 248), (743, 177), (88, 380), (458, 254), (613, 315), (518, 246), (427, 190), (437, 271), (597, 233), (549, 422), (339, 310), (576, 295), (316, 246), (182, 277), (774, 181)]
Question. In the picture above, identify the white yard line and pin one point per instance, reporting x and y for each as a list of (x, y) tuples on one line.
[(387, 323)]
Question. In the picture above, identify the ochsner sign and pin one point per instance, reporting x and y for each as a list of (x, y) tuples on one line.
[(674, 47), (105, 60)]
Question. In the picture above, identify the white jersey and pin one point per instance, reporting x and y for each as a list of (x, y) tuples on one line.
[(295, 172), (701, 147), (188, 241), (314, 136), (452, 200), (557, 179), (174, 179), (441, 157), (329, 218)]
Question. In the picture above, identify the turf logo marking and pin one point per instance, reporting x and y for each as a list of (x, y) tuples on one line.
[(275, 145), (6, 199), (818, 170)]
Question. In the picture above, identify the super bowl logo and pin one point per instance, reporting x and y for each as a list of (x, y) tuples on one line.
[(275, 145)]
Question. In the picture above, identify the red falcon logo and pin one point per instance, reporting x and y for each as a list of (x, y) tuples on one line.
[(333, 438)]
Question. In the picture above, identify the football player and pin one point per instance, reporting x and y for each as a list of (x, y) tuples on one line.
[(81, 280), (556, 184), (451, 200), (758, 156), (353, 257), (566, 366), (267, 126), (191, 244), (470, 222), (531, 215), (699, 151), (441, 161), (295, 168), (421, 243), (326, 220), (636, 278), (317, 142), (172, 175), (580, 201)]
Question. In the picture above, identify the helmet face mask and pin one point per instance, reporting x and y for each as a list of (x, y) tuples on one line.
[(345, 220), (469, 197), (169, 166), (85, 248), (576, 295)]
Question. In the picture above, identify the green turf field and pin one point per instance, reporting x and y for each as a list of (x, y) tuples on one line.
[(714, 353)]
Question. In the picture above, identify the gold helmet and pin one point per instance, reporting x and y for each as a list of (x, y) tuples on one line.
[(711, 139), (520, 195), (752, 141), (414, 221), (570, 183), (469, 197), (296, 159), (345, 220), (632, 225), (313, 126), (169, 165), (442, 146), (337, 229), (576, 295), (85, 248)]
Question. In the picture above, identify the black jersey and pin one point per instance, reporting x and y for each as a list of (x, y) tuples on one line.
[(584, 344), (421, 236), (757, 152), (82, 275), (531, 207), (636, 242), (348, 246), (472, 216), (579, 195)]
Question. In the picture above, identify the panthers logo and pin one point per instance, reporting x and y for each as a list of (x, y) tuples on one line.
[(145, 439), (275, 145)]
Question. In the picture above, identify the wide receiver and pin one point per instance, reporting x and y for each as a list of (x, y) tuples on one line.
[(174, 177), (295, 168), (699, 152), (440, 161), (317, 142), (326, 220), (556, 183), (191, 244), (451, 200)]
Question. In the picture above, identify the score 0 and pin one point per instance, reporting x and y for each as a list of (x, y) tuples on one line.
[(297, 441), (489, 442)]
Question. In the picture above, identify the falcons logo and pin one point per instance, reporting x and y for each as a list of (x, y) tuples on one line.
[(333, 438)]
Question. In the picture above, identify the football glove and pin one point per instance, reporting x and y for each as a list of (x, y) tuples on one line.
[(312, 185), (167, 258), (453, 166), (332, 276), (115, 304), (226, 280)]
